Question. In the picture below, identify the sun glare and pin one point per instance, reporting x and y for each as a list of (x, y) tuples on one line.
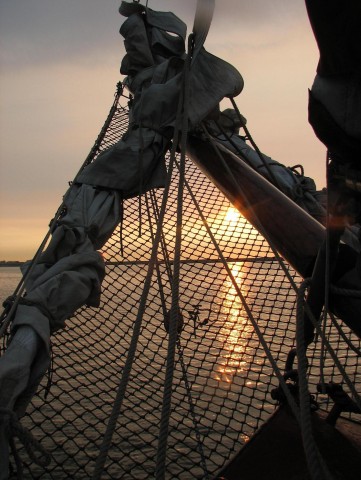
[(232, 215)]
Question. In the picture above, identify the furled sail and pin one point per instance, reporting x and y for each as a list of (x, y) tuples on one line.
[(121, 184), (68, 274)]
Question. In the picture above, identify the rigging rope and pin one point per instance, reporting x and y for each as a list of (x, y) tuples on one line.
[(174, 313), (301, 304), (35, 450), (128, 325), (317, 466), (104, 449), (255, 146), (179, 346), (315, 460), (7, 315)]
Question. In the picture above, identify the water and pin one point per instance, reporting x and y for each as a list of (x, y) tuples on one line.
[(217, 348), (9, 279), (229, 377)]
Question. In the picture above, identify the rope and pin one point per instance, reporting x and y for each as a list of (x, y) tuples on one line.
[(179, 346), (301, 417), (202, 23), (327, 284), (167, 260), (35, 450), (343, 336), (254, 145), (18, 462), (249, 206), (264, 233), (345, 292), (6, 317), (317, 467), (329, 348), (192, 410), (174, 313), (280, 377), (104, 449), (159, 277), (140, 167), (113, 418)]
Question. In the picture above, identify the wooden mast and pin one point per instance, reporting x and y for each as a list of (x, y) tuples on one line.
[(293, 232)]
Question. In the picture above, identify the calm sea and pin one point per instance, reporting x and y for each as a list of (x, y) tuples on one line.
[(86, 376), (229, 379), (9, 279)]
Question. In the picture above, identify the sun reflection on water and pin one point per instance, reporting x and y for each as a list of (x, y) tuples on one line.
[(235, 328)]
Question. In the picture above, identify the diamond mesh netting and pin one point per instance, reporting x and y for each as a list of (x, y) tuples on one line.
[(222, 382)]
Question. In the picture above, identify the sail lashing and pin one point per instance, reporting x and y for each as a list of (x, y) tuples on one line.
[(209, 379)]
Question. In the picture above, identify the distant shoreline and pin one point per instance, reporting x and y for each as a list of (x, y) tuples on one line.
[(14, 263)]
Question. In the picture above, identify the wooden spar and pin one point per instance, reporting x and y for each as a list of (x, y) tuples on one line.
[(293, 232)]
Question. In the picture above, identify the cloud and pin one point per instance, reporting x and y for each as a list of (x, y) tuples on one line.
[(40, 31), (258, 12), (80, 31), (59, 67)]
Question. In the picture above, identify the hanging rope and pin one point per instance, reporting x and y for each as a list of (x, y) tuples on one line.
[(179, 346), (174, 313), (104, 449), (317, 466), (192, 410), (113, 418), (301, 305), (8, 314)]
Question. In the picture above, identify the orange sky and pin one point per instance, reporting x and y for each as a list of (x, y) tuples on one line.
[(59, 67)]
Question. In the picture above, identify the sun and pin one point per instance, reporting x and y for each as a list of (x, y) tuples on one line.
[(232, 215)]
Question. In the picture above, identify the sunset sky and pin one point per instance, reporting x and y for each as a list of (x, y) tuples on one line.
[(59, 66)]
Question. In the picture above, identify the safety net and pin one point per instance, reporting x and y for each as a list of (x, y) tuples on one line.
[(222, 381)]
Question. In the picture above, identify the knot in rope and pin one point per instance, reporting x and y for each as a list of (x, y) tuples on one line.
[(13, 428), (298, 190), (301, 296), (8, 302), (180, 321)]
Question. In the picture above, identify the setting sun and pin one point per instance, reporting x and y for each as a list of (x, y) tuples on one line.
[(232, 215)]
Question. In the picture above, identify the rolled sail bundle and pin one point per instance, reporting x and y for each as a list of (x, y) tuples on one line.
[(289, 180), (69, 272)]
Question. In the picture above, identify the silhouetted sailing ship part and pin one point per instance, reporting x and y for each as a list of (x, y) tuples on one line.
[(194, 328)]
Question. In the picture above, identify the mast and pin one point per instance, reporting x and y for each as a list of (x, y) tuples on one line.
[(293, 232)]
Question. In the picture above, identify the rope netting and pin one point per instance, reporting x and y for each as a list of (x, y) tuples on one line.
[(222, 380)]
